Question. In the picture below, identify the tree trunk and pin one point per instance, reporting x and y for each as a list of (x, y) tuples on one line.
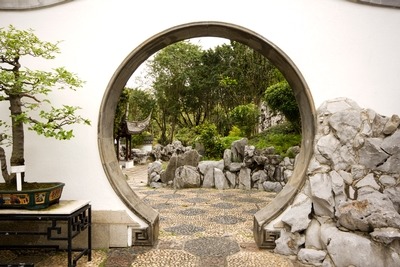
[(3, 162), (17, 155)]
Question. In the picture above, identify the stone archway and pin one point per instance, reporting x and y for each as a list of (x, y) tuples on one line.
[(192, 30)]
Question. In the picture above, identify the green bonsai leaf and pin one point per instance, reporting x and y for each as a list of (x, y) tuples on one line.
[(27, 91)]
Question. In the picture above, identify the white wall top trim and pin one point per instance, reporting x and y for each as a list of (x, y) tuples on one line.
[(386, 3), (28, 4)]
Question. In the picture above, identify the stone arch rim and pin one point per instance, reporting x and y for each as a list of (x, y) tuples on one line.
[(193, 30)]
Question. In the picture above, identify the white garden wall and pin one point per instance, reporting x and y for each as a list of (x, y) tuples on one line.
[(342, 49)]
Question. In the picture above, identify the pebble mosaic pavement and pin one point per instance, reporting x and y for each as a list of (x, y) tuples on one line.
[(198, 227)]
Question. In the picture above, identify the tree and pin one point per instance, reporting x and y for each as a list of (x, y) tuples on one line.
[(27, 90), (245, 117), (280, 97), (171, 72)]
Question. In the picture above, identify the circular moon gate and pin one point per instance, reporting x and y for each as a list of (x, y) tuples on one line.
[(182, 32)]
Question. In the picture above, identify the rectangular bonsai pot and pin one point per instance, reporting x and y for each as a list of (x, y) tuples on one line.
[(41, 197)]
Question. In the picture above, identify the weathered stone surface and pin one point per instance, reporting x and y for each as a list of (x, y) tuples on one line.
[(378, 124), (346, 124), (219, 179), (371, 210), (393, 193), (353, 182), (338, 104), (231, 177), (155, 166), (313, 233), (337, 183), (391, 165), (244, 179), (260, 176), (190, 157), (289, 243), (321, 193), (387, 180), (297, 216), (186, 177), (154, 169), (327, 145), (368, 180), (261, 160), (227, 157), (208, 177), (237, 149), (316, 166), (249, 151), (346, 176), (386, 235), (235, 166), (173, 164), (203, 166), (155, 177), (272, 186), (392, 125), (311, 256), (340, 244), (371, 154)]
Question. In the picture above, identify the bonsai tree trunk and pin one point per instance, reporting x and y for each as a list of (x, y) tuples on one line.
[(17, 155), (3, 162)]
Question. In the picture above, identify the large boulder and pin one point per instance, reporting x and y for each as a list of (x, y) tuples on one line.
[(186, 177)]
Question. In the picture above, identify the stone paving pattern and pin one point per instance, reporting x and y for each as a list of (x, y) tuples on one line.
[(198, 227)]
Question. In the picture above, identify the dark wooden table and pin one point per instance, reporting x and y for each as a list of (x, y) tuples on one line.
[(75, 213)]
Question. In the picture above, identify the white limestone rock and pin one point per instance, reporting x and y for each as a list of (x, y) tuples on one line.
[(227, 157), (220, 180), (387, 180), (313, 233), (321, 193), (393, 193), (311, 256), (231, 177), (297, 216), (338, 104), (368, 180), (186, 177), (327, 145), (244, 179), (350, 249), (346, 124), (371, 154), (208, 178), (371, 210), (289, 243), (391, 125), (272, 186), (386, 235)]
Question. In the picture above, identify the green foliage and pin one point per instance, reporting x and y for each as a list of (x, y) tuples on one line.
[(235, 132), (281, 137), (138, 139), (29, 88), (228, 140), (27, 92), (211, 140), (245, 117), (187, 136), (280, 98)]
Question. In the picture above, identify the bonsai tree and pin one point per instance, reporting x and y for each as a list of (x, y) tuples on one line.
[(26, 91)]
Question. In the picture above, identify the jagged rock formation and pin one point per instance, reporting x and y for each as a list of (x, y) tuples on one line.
[(348, 212)]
